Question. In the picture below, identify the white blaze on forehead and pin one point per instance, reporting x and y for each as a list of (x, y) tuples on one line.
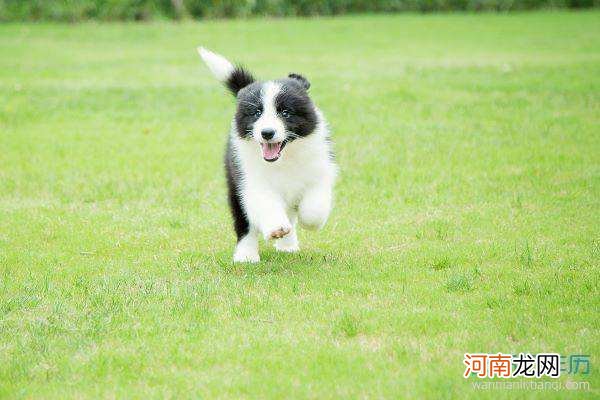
[(269, 118), (269, 91)]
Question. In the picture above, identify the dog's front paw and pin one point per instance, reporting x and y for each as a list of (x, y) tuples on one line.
[(245, 254), (278, 232), (289, 243), (287, 247)]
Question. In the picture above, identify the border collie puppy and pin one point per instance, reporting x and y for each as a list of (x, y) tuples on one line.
[(278, 160)]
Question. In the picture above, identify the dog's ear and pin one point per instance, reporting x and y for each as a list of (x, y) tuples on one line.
[(235, 78), (302, 80), (238, 79)]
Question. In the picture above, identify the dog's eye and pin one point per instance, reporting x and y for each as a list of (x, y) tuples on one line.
[(285, 114), (258, 113)]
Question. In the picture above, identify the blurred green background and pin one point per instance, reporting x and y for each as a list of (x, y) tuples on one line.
[(81, 10)]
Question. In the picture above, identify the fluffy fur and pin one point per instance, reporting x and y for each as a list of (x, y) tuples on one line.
[(278, 161)]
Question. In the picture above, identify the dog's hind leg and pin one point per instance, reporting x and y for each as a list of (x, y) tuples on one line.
[(315, 207)]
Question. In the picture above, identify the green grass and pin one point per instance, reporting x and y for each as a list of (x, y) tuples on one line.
[(467, 211)]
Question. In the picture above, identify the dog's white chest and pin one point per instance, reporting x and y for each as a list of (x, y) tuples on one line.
[(304, 163)]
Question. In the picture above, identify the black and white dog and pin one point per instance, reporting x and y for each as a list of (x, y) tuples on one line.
[(278, 161)]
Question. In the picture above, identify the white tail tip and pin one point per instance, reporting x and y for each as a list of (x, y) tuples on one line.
[(218, 65)]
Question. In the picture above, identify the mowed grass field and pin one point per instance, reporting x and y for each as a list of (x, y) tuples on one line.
[(467, 214)]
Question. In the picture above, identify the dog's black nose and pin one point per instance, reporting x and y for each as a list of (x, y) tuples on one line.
[(267, 134)]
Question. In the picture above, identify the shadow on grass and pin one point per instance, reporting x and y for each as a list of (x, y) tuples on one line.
[(271, 262)]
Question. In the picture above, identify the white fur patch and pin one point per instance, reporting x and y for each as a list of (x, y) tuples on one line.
[(288, 243), (247, 249), (269, 118)]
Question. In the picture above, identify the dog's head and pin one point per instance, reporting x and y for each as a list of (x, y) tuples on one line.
[(272, 113)]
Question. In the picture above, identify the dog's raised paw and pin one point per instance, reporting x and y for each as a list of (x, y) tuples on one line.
[(279, 232)]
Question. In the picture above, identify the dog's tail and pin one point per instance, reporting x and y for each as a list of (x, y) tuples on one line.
[(234, 77)]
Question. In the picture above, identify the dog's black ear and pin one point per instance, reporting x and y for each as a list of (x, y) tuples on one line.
[(238, 79), (302, 80)]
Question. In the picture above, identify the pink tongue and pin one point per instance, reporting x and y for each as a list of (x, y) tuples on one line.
[(271, 150)]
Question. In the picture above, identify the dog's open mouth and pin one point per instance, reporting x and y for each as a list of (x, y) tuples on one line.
[(272, 151)]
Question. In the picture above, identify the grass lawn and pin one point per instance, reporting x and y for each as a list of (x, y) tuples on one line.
[(467, 213)]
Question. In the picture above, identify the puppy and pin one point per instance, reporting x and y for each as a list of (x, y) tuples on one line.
[(278, 161)]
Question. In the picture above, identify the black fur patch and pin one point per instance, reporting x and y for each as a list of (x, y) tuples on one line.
[(249, 104), (301, 117), (232, 172), (303, 81), (239, 79)]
